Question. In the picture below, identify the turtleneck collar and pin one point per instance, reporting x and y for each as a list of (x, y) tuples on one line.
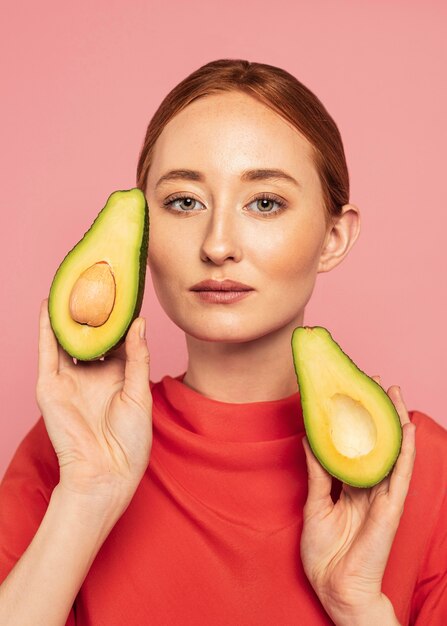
[(243, 461), (231, 421)]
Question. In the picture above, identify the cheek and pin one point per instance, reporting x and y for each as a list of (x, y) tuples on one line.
[(292, 255), (163, 265), (165, 250)]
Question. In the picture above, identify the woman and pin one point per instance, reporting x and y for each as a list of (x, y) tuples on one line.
[(196, 499)]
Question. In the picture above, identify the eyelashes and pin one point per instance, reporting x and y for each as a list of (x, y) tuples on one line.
[(281, 204)]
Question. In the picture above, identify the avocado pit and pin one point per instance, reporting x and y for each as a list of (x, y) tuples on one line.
[(93, 295), (352, 428)]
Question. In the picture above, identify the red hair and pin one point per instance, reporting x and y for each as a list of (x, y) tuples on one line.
[(278, 90)]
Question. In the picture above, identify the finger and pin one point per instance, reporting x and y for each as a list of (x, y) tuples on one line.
[(376, 379), (403, 469), (382, 522), (319, 484), (136, 371), (395, 394), (48, 361), (404, 465)]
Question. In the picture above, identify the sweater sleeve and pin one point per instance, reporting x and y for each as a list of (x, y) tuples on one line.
[(430, 597), (25, 492), (429, 601)]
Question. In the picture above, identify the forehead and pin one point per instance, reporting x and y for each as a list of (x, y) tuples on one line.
[(230, 132)]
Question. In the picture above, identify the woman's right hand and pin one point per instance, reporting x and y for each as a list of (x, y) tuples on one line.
[(98, 414)]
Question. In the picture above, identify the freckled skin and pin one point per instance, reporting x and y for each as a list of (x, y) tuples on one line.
[(239, 352)]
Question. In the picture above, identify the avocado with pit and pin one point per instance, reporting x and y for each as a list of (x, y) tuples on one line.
[(351, 423), (98, 288)]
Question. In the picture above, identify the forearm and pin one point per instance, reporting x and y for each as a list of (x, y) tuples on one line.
[(42, 586)]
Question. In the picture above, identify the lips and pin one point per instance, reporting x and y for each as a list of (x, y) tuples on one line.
[(221, 285)]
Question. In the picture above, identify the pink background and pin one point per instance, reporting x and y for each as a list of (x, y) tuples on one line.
[(80, 82)]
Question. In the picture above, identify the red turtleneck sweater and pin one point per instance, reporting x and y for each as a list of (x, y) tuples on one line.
[(212, 533)]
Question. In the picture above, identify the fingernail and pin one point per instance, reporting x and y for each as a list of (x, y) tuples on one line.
[(143, 328)]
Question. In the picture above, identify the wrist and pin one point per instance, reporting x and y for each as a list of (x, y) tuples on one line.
[(90, 509), (374, 612)]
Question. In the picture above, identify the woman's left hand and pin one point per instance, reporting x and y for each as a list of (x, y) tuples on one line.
[(345, 546)]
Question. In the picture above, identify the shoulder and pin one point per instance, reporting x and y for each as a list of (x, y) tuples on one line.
[(431, 436), (429, 480), (428, 423), (423, 538)]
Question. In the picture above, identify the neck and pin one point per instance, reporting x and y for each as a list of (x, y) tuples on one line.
[(252, 371)]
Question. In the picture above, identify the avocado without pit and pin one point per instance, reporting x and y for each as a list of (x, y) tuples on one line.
[(351, 423), (98, 288)]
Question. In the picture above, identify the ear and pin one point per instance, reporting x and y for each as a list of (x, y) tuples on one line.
[(341, 235)]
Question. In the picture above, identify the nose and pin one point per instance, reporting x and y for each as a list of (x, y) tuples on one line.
[(221, 240)]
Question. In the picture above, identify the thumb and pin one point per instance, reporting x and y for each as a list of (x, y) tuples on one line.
[(136, 371), (319, 499)]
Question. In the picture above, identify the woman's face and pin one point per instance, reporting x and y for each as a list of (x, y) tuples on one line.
[(223, 229)]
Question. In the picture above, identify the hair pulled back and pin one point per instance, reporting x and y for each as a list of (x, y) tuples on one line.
[(281, 92)]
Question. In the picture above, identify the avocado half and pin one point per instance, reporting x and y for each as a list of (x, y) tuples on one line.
[(98, 288), (351, 423)]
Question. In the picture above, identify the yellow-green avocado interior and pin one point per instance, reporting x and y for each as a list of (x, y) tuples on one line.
[(351, 423), (119, 236)]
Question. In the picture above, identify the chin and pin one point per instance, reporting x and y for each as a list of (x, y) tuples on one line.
[(219, 333)]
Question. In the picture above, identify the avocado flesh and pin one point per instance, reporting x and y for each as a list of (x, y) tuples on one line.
[(120, 237), (351, 423)]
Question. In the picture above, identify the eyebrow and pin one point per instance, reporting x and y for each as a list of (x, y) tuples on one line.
[(247, 175)]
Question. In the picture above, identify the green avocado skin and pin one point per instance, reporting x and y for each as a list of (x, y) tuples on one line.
[(144, 250), (307, 403)]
